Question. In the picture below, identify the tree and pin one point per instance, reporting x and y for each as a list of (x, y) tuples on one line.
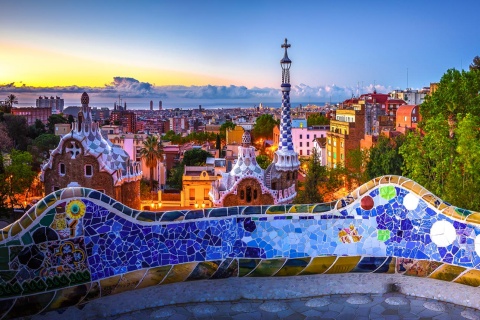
[(227, 125), (475, 65), (263, 161), (17, 130), (40, 148), (442, 159), (152, 151), (9, 102), (53, 120), (317, 119), (263, 127), (6, 143), (175, 176), (316, 174), (218, 144), (195, 157), (16, 179), (36, 129), (384, 157)]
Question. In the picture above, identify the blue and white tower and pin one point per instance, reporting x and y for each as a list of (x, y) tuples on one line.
[(286, 159)]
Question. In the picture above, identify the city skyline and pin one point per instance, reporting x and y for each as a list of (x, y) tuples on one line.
[(192, 51)]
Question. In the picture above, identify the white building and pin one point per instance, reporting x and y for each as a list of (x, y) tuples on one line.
[(303, 138)]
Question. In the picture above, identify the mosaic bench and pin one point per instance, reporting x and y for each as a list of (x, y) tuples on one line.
[(78, 244)]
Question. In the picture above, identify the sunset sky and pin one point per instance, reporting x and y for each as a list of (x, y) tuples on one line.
[(337, 46)]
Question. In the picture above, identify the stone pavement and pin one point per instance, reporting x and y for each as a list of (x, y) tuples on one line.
[(344, 307)]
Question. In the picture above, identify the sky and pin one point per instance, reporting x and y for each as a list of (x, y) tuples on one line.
[(230, 50)]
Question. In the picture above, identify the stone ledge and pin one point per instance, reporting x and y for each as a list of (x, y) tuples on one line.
[(271, 288)]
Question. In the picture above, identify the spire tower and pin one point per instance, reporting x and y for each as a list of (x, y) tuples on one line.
[(286, 158)]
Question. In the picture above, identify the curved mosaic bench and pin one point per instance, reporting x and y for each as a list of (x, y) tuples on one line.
[(77, 244)]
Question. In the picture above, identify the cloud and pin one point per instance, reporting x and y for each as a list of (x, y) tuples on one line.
[(129, 87)]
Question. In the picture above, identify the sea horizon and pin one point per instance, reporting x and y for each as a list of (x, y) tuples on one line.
[(145, 105)]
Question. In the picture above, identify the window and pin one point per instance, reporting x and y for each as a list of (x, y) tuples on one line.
[(192, 194), (205, 194), (334, 143), (308, 152), (61, 168), (329, 153), (334, 155), (255, 194), (301, 153), (55, 188), (288, 175), (249, 194), (300, 143), (308, 136), (341, 156), (308, 144), (242, 194), (341, 144), (300, 136), (405, 118), (314, 136), (88, 170), (328, 140)]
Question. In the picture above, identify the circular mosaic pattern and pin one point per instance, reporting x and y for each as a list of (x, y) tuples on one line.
[(397, 301), (75, 209), (443, 233), (411, 201), (435, 306), (367, 203), (359, 300), (470, 314), (273, 306), (317, 302)]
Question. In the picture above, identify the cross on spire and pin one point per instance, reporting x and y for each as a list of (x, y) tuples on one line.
[(286, 45)]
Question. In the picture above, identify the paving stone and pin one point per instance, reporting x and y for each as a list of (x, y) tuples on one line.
[(470, 314), (359, 299), (162, 313), (435, 306), (273, 306), (317, 302), (397, 301)]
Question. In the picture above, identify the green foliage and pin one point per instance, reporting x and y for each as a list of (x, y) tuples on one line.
[(152, 152), (145, 190), (444, 160), (263, 161), (195, 157), (16, 179), (263, 127), (475, 65), (6, 142), (384, 157), (226, 125), (53, 120), (36, 129), (316, 175), (317, 119), (40, 148), (218, 143), (17, 129), (175, 176)]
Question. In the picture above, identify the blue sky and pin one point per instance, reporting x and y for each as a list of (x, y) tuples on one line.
[(233, 46)]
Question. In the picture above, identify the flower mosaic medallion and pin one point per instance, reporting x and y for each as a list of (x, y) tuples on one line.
[(388, 192), (75, 209)]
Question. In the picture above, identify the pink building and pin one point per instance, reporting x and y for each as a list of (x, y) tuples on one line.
[(303, 138)]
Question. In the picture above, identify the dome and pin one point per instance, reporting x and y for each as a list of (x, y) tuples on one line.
[(85, 99), (246, 138)]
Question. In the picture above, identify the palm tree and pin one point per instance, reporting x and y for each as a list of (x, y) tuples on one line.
[(152, 151), (10, 101)]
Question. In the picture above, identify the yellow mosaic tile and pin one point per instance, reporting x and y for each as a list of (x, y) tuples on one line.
[(430, 198), (292, 267), (391, 266), (384, 180), (319, 265), (301, 208), (470, 278), (15, 229), (344, 265), (447, 272), (204, 270), (402, 180), (25, 221), (474, 217), (93, 293), (421, 268), (154, 276), (68, 296), (179, 272), (267, 268), (409, 185), (245, 266), (40, 208), (394, 179), (108, 285), (129, 281)]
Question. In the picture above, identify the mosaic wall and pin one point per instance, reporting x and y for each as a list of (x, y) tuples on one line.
[(78, 244)]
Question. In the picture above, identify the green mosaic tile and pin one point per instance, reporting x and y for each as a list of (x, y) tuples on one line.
[(245, 266), (27, 238), (383, 235), (293, 267), (4, 258), (204, 270), (388, 192), (267, 268), (47, 220)]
